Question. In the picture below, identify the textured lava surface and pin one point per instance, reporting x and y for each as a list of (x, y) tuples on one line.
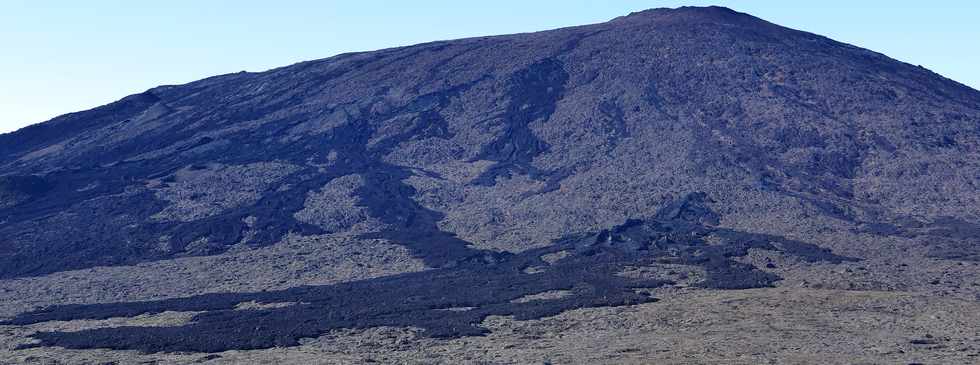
[(693, 136)]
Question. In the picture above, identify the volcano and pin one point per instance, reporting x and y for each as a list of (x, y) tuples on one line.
[(424, 192)]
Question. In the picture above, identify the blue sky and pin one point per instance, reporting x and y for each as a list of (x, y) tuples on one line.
[(64, 56)]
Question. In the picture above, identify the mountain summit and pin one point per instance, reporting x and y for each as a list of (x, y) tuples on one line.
[(473, 173)]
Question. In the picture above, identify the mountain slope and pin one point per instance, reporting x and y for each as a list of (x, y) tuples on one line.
[(481, 154)]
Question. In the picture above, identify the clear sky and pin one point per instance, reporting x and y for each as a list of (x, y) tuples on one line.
[(60, 56)]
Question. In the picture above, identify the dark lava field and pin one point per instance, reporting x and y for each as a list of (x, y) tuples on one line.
[(697, 171)]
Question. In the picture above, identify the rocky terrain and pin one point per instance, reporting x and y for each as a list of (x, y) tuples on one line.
[(691, 185)]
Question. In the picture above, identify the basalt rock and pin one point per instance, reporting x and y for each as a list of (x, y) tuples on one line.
[(691, 137), (486, 283)]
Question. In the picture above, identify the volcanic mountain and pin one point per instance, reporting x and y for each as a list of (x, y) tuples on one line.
[(442, 185)]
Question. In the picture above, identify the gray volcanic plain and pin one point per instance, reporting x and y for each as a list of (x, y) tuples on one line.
[(691, 185)]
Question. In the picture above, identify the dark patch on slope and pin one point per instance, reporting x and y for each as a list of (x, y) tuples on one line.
[(104, 231), (489, 283), (92, 221), (948, 238), (534, 94), (389, 198)]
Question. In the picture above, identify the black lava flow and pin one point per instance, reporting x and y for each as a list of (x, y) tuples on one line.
[(486, 283)]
